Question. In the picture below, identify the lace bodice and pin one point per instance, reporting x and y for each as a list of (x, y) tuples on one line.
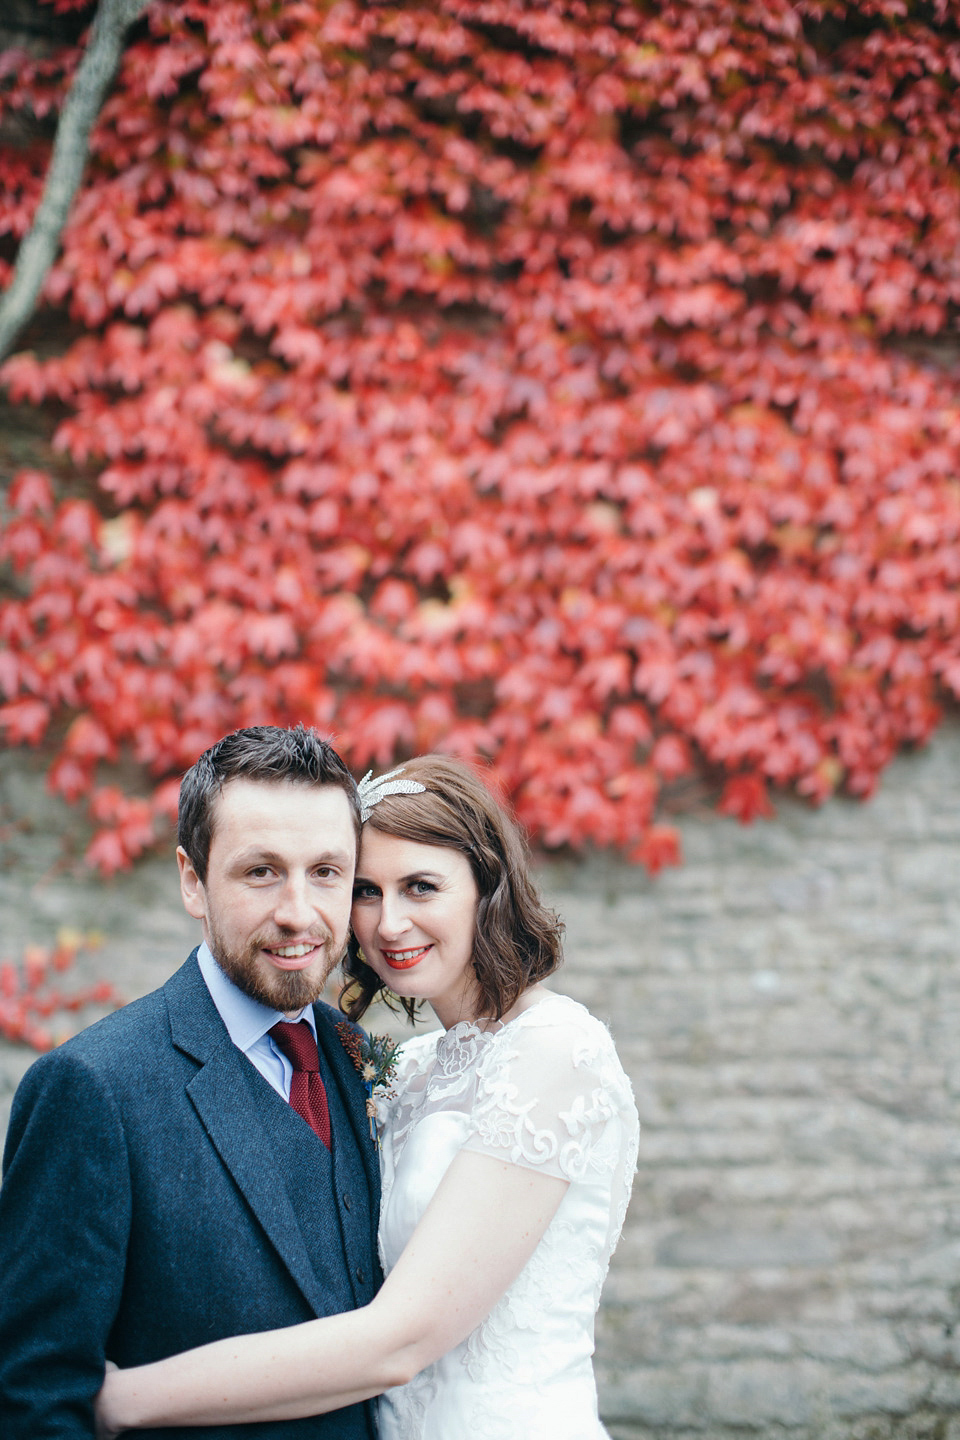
[(545, 1091)]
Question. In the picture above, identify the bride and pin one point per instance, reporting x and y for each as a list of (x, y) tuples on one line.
[(508, 1143)]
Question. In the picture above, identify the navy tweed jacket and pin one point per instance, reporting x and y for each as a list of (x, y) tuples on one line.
[(159, 1194)]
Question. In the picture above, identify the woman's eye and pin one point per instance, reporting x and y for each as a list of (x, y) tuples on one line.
[(423, 887), (365, 892)]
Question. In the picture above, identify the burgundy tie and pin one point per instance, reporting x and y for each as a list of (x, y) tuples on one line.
[(307, 1095)]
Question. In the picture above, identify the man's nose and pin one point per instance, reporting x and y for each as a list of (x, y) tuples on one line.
[(293, 910)]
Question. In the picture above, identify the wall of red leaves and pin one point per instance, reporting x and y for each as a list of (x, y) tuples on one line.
[(572, 384)]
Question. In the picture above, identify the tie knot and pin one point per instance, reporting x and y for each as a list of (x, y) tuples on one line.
[(295, 1039)]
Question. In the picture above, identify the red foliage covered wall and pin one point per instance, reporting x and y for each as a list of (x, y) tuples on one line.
[(544, 380)]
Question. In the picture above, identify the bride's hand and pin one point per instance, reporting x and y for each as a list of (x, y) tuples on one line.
[(103, 1430)]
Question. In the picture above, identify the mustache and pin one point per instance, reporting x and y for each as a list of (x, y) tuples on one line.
[(293, 937)]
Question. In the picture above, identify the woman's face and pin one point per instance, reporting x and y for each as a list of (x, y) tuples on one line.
[(414, 915)]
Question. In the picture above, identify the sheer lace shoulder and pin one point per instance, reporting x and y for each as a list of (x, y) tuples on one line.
[(552, 1094), (416, 1054), (416, 1060)]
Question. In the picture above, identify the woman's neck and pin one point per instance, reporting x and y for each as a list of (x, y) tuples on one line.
[(468, 1009)]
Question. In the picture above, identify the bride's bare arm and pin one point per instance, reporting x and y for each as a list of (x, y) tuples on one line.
[(478, 1232)]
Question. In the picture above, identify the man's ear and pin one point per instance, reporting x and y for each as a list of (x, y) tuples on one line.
[(191, 887)]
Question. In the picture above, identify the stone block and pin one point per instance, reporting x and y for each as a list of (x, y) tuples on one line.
[(716, 1343), (757, 1394), (670, 1397), (925, 869), (944, 1390), (899, 1302), (894, 1392), (938, 1263), (740, 1148), (864, 1346), (733, 1249), (802, 891)]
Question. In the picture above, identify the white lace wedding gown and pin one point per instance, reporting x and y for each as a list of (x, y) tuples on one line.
[(545, 1091)]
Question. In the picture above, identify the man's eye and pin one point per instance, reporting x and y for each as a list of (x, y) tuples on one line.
[(259, 872)]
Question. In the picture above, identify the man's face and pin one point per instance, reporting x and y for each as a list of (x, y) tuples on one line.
[(275, 905)]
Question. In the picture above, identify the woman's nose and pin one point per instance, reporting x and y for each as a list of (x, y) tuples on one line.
[(393, 917)]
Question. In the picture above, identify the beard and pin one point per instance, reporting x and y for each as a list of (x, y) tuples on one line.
[(286, 990)]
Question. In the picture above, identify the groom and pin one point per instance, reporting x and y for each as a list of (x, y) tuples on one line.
[(181, 1171)]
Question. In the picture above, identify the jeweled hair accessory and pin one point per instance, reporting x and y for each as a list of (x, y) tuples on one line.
[(371, 792)]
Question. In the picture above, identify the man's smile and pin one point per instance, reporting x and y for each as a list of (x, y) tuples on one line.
[(296, 955)]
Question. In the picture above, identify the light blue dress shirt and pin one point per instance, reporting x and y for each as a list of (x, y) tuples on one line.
[(248, 1021)]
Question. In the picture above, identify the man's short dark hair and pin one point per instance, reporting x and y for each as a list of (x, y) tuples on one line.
[(260, 752)]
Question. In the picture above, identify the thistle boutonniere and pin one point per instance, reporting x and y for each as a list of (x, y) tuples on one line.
[(376, 1058)]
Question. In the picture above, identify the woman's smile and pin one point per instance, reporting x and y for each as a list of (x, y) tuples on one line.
[(404, 959)]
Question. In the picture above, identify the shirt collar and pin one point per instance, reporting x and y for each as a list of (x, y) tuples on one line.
[(246, 1019)]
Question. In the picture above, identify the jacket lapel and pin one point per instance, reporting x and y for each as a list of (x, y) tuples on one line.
[(224, 1095), (353, 1095)]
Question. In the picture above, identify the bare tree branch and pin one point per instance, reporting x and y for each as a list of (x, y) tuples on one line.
[(70, 149)]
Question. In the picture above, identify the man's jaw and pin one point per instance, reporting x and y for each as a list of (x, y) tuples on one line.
[(286, 984)]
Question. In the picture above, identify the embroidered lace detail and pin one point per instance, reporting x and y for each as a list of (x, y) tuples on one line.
[(545, 1091), (558, 1266), (435, 1071), (459, 1047), (406, 1405)]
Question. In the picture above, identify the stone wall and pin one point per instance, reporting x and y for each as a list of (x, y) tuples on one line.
[(788, 1005)]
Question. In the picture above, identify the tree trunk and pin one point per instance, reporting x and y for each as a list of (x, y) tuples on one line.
[(71, 147)]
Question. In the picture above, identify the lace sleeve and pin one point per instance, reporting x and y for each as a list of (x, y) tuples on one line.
[(552, 1096)]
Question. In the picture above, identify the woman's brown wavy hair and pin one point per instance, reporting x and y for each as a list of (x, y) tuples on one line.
[(517, 940)]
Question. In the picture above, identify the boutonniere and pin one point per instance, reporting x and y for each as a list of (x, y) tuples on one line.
[(376, 1058)]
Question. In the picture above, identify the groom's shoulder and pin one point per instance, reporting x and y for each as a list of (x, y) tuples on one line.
[(135, 1029), (125, 1060)]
